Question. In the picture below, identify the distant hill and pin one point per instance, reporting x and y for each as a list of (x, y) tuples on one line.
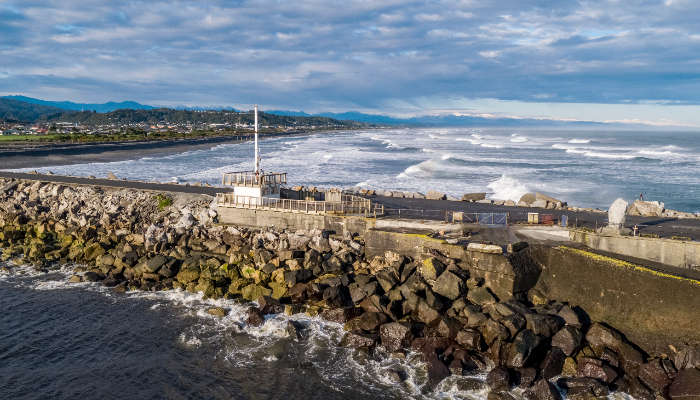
[(438, 120), (14, 110), (19, 111), (69, 105)]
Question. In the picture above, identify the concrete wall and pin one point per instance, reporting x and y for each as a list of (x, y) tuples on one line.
[(684, 254), (651, 308), (289, 220)]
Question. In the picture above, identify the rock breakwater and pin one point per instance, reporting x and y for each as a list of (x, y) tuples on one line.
[(433, 304)]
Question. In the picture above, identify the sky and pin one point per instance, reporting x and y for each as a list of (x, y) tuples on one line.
[(612, 60)]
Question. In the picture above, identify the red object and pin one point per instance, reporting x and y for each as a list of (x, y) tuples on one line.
[(546, 219)]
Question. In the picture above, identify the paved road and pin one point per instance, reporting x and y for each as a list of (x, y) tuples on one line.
[(414, 208), (435, 209), (161, 187)]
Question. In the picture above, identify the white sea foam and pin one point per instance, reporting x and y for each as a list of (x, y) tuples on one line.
[(518, 139), (507, 188), (579, 141)]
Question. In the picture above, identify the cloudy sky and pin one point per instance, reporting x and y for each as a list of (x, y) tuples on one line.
[(631, 60)]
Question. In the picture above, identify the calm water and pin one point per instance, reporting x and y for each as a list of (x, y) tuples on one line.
[(587, 168), (82, 341)]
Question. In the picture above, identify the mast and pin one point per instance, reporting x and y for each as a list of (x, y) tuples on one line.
[(257, 158)]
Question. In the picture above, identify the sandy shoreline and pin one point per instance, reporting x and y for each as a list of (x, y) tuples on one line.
[(69, 153)]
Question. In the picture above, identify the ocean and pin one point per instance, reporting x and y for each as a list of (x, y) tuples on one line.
[(587, 168), (61, 340)]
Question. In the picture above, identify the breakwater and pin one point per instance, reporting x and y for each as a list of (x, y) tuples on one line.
[(454, 311)]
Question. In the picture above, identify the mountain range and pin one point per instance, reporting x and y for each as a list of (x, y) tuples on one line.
[(28, 109)]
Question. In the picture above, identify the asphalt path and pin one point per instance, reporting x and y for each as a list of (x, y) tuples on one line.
[(436, 209), (116, 183)]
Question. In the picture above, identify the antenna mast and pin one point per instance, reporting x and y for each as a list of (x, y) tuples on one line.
[(257, 157)]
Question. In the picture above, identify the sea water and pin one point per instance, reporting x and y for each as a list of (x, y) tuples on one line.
[(587, 168)]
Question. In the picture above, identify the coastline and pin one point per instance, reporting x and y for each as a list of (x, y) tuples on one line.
[(55, 154)]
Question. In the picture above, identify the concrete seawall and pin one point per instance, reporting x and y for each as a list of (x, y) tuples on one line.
[(677, 253), (651, 308)]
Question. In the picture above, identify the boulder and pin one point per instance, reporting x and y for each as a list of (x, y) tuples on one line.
[(600, 336), (646, 208), (431, 268), (583, 388), (395, 336), (433, 195), (358, 340), (469, 339), (449, 285), (544, 324), (568, 339), (255, 317), (480, 296), (553, 363), (498, 379), (616, 214), (217, 312), (594, 368), (521, 349), (543, 390), (473, 196), (654, 376)]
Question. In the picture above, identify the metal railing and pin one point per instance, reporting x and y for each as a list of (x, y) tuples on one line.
[(500, 219), (250, 178), (351, 205)]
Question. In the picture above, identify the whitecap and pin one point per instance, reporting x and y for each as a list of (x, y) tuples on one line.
[(507, 188), (579, 141)]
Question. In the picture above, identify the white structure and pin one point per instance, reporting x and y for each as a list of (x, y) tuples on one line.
[(251, 188)]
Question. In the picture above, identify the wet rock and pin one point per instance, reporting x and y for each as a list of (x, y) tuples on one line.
[(187, 275), (582, 388), (370, 321), (255, 317), (253, 292), (341, 315), (217, 312), (395, 336), (493, 330), (687, 357), (524, 377), (654, 376), (426, 314), (449, 285), (543, 390), (358, 340), (544, 325), (498, 379), (553, 363), (599, 337), (469, 338), (568, 339), (570, 317), (91, 276), (75, 279), (397, 375), (686, 386), (594, 368), (295, 330), (521, 349), (437, 370), (154, 263)]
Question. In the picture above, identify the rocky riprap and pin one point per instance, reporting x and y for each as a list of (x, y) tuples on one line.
[(136, 240)]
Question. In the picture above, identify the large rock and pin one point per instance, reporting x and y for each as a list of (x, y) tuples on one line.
[(543, 390), (617, 214), (395, 336), (473, 196), (521, 349), (431, 268), (433, 195), (498, 379), (646, 208), (449, 285), (686, 386), (568, 339), (599, 337)]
